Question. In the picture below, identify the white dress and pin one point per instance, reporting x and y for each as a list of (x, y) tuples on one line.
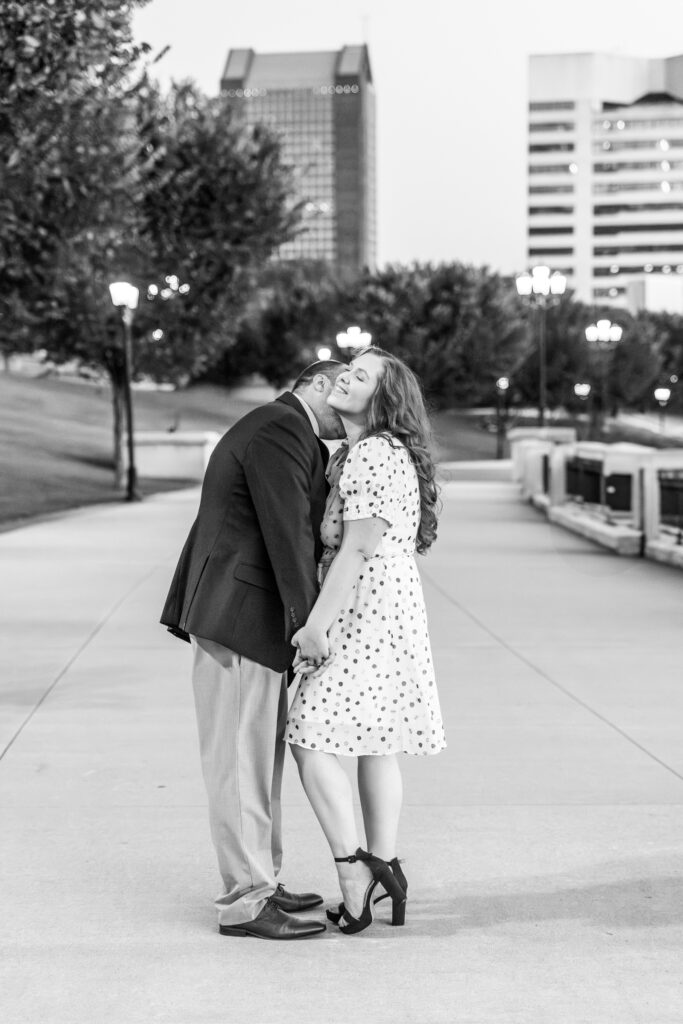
[(378, 694)]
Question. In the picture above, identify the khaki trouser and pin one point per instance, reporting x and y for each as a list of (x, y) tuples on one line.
[(241, 714)]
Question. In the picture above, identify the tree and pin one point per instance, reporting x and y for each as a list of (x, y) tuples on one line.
[(104, 178), (457, 326), (60, 62), (216, 203)]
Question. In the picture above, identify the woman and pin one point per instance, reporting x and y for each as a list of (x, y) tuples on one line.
[(366, 685)]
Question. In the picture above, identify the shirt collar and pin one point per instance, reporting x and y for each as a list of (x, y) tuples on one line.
[(309, 413)]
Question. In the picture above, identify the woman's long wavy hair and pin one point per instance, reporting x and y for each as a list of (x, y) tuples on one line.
[(397, 409)]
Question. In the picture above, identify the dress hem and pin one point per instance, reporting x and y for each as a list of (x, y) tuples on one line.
[(367, 753)]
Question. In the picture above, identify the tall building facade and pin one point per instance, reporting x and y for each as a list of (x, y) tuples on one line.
[(605, 174), (323, 104)]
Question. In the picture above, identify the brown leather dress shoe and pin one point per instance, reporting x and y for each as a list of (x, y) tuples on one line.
[(274, 923), (293, 902)]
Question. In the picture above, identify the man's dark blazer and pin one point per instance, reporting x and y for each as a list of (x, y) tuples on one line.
[(247, 574)]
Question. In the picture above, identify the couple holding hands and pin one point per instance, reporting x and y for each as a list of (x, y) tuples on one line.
[(301, 568)]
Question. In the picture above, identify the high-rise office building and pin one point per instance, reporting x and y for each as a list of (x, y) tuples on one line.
[(324, 106), (605, 181)]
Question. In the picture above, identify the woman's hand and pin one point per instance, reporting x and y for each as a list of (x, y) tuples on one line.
[(313, 648)]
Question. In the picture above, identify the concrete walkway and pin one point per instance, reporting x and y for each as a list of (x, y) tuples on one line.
[(544, 848)]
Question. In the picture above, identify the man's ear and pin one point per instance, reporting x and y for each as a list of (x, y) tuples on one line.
[(320, 382)]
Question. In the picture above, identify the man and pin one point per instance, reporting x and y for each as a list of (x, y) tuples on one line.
[(245, 583)]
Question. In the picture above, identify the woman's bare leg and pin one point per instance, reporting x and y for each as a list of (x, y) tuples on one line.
[(381, 797), (327, 786)]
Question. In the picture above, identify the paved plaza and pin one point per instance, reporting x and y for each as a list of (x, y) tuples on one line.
[(543, 848)]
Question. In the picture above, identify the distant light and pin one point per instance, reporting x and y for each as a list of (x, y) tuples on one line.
[(166, 293), (674, 378), (604, 332), (648, 268), (184, 289), (663, 144), (524, 284), (123, 293), (665, 186), (172, 282), (665, 165), (614, 269), (573, 168), (558, 283), (621, 124), (152, 290), (662, 395), (353, 337), (666, 269), (503, 383), (324, 353), (582, 390), (158, 334)]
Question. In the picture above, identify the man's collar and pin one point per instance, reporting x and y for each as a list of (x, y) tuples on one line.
[(309, 412)]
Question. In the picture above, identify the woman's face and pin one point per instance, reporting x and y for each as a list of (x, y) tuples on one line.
[(355, 386)]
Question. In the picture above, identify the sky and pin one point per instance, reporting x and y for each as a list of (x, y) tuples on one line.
[(451, 90)]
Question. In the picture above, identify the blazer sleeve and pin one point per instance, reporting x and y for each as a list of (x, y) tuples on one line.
[(278, 467)]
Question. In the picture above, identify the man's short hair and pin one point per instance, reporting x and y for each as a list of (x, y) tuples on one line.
[(330, 368)]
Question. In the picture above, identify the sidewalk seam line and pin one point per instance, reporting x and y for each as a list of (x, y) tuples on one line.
[(72, 660), (558, 686)]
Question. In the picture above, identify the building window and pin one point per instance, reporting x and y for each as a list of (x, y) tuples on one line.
[(620, 250), (550, 210), (537, 190), (620, 124), (640, 268), (614, 147), (552, 147), (550, 251), (550, 169), (553, 105), (634, 186), (608, 293), (551, 126), (646, 165), (627, 229), (616, 208), (552, 231)]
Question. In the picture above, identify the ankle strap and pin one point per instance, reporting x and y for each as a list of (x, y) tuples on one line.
[(360, 854)]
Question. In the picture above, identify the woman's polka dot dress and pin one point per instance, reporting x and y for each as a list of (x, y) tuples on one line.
[(378, 694)]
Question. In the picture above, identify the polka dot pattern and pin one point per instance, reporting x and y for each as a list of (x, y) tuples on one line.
[(378, 693)]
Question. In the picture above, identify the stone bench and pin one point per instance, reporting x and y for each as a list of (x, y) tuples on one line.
[(177, 455)]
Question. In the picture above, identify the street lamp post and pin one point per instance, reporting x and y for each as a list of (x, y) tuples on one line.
[(662, 396), (354, 339), (541, 289), (502, 386), (603, 337), (582, 390), (125, 296)]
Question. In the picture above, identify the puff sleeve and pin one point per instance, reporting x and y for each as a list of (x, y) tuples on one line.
[(365, 483)]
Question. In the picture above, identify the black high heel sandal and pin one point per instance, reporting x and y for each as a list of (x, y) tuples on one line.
[(398, 913), (381, 875)]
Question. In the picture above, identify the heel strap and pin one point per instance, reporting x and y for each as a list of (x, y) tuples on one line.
[(346, 860)]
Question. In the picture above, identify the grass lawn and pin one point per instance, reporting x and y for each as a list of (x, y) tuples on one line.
[(56, 438)]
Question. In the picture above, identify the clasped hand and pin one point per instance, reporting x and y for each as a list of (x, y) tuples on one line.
[(313, 649)]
